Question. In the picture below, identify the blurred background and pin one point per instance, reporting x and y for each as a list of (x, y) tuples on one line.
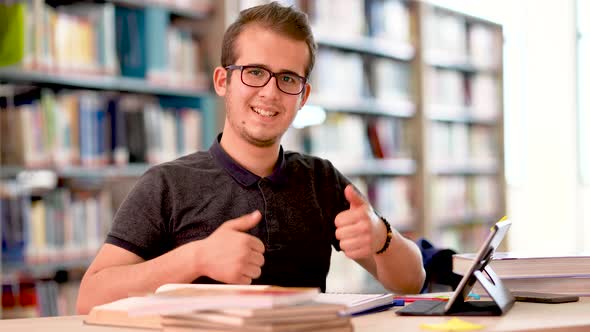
[(446, 114)]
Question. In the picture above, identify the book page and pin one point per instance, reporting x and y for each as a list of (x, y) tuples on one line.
[(355, 302), (171, 287), (124, 304)]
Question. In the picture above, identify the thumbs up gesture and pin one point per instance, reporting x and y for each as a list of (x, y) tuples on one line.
[(360, 231), (231, 255)]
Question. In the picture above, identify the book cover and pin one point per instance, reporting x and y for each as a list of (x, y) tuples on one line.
[(333, 324), (309, 312), (307, 308), (579, 285), (12, 32), (131, 41), (157, 22), (14, 213)]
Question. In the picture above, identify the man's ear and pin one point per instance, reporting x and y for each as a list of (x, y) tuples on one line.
[(305, 94), (220, 81)]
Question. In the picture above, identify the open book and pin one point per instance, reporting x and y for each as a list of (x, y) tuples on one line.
[(355, 303), (170, 299)]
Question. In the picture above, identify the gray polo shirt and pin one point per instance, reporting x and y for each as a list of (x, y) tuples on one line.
[(187, 199)]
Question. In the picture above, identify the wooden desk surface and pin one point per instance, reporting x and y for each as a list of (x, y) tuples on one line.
[(522, 317)]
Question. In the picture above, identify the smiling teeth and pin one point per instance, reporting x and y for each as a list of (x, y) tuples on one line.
[(263, 112)]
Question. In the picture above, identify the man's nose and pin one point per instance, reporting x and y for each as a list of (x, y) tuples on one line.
[(270, 89)]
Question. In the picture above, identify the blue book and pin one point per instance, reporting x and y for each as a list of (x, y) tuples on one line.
[(131, 41), (119, 153), (157, 21), (86, 134), (14, 215), (100, 133)]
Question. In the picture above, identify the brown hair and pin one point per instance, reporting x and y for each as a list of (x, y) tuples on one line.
[(286, 21)]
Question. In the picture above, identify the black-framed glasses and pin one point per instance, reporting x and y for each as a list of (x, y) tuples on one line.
[(257, 77)]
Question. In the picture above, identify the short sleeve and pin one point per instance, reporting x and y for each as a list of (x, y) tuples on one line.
[(140, 224)]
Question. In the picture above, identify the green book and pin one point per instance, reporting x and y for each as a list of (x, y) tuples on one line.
[(12, 33)]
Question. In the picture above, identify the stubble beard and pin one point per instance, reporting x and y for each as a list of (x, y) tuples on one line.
[(244, 133), (261, 143)]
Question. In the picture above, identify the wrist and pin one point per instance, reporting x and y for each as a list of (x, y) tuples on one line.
[(388, 236), (196, 260)]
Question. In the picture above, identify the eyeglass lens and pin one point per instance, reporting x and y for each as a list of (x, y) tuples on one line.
[(258, 77)]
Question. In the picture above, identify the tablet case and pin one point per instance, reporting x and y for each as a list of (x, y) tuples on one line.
[(502, 299), (501, 302)]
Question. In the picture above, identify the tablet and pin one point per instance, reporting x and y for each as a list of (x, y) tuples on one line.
[(480, 271)]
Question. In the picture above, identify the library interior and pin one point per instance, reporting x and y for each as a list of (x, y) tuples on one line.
[(442, 113)]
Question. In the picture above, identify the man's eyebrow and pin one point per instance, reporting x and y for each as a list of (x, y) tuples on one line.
[(281, 71)]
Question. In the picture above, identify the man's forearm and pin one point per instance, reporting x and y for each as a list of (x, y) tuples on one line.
[(400, 267), (115, 282)]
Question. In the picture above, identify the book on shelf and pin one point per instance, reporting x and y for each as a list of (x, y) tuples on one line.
[(445, 35), (59, 225), (144, 311), (339, 21), (90, 129), (521, 265), (348, 84), (82, 39), (12, 43), (389, 20)]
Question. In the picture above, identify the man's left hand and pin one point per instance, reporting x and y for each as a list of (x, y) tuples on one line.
[(360, 231)]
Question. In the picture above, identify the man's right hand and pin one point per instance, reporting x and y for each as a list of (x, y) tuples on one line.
[(230, 254)]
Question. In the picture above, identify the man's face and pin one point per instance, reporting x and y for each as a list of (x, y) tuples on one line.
[(261, 115)]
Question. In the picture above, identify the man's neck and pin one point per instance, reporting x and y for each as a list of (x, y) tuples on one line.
[(258, 160)]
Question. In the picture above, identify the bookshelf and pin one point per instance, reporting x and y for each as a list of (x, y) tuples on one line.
[(85, 82), (417, 127), (412, 94), (462, 125), (438, 74), (112, 83)]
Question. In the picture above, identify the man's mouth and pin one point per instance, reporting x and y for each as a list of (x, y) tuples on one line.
[(263, 112)]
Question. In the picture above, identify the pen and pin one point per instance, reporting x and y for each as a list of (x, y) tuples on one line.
[(410, 299), (394, 303)]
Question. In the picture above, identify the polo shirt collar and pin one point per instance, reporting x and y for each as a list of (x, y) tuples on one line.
[(242, 175)]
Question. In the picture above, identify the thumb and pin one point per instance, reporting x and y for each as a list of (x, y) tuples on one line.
[(353, 196), (245, 222)]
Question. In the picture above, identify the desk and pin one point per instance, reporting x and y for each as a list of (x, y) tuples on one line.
[(522, 317)]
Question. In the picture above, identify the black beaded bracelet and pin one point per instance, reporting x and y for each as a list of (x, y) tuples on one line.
[(388, 239)]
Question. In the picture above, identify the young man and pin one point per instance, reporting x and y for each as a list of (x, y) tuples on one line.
[(246, 211)]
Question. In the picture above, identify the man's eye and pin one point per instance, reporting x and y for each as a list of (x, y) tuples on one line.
[(288, 79), (255, 72)]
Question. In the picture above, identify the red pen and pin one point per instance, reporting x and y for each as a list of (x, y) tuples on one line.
[(410, 299)]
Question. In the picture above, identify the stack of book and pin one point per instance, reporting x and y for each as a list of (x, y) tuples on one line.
[(195, 307), (546, 274), (301, 317)]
